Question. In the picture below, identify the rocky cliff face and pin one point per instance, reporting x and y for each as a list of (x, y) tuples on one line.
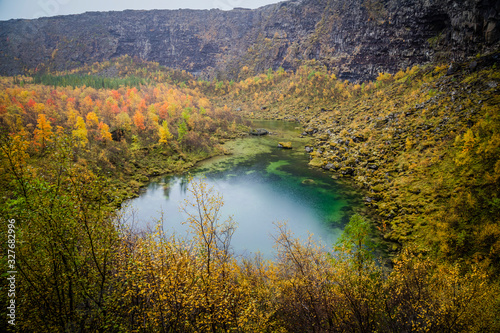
[(358, 38)]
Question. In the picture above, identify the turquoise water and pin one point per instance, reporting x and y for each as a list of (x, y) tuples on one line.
[(260, 184)]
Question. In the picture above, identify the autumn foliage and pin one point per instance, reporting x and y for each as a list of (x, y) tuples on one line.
[(91, 115), (81, 269), (65, 148)]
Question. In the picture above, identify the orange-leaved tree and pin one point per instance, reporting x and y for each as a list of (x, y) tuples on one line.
[(43, 132)]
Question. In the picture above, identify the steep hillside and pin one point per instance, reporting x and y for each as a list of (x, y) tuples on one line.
[(360, 38), (423, 145)]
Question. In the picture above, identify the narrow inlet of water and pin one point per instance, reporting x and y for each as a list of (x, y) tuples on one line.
[(261, 185)]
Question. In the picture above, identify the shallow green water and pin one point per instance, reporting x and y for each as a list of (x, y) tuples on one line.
[(261, 184)]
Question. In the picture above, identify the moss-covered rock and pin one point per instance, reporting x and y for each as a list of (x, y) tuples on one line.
[(285, 145), (317, 162)]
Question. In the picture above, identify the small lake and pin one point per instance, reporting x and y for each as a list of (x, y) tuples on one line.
[(260, 184)]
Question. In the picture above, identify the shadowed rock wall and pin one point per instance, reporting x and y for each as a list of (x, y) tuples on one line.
[(358, 38)]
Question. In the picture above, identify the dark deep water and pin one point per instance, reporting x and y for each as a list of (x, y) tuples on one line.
[(260, 184)]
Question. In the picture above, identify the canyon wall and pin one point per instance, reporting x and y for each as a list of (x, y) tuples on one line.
[(355, 38)]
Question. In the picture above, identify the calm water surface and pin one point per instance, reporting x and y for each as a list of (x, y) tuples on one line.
[(261, 184)]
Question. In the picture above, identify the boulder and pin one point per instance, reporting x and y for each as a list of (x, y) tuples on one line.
[(347, 171), (259, 132), (285, 145), (329, 166), (316, 162), (454, 67)]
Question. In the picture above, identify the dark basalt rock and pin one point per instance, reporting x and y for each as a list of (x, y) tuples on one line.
[(310, 131), (347, 171), (354, 41), (329, 166), (358, 138), (373, 198), (259, 132), (452, 69)]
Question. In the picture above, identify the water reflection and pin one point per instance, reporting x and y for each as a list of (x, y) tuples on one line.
[(260, 184)]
